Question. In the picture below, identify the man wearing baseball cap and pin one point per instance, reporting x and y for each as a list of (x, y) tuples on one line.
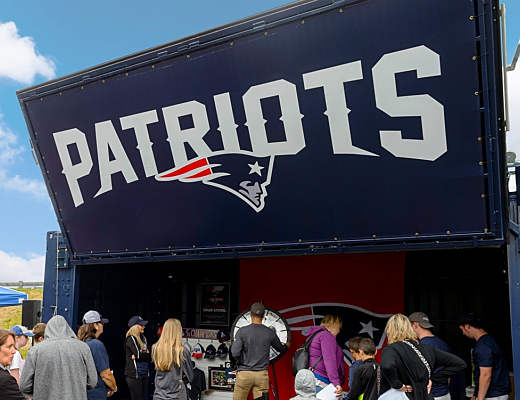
[(422, 327), (251, 345), (22, 336)]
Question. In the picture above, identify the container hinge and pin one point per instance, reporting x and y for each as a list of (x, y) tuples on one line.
[(86, 77), (259, 25), (182, 48), (193, 44), (33, 153), (339, 2), (162, 53)]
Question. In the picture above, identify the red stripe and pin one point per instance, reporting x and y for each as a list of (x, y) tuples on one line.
[(206, 172), (187, 168)]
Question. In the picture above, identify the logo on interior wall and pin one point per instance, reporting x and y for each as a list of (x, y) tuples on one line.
[(242, 174), (356, 322)]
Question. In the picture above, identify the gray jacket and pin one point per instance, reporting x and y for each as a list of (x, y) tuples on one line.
[(305, 385), (60, 367), (167, 382)]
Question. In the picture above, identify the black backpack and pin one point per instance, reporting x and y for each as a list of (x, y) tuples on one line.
[(301, 357)]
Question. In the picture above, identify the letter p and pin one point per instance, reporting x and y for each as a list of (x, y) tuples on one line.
[(73, 171)]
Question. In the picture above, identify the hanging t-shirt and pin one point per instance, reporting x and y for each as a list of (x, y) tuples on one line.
[(487, 353), (100, 356)]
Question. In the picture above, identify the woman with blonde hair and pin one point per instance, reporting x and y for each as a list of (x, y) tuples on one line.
[(172, 362), (137, 358), (411, 367), (325, 355)]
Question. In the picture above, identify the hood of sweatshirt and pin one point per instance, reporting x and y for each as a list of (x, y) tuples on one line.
[(305, 384), (314, 329), (57, 328)]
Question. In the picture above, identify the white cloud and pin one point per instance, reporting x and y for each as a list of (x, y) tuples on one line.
[(14, 268), (19, 59), (9, 150), (513, 136)]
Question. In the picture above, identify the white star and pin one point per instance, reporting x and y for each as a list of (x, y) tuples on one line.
[(255, 168), (368, 328)]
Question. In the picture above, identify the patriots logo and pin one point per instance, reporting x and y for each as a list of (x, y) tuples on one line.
[(356, 322), (242, 174)]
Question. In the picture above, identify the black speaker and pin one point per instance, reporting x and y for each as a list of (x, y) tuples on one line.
[(31, 313)]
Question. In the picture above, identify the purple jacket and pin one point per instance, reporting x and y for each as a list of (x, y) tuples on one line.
[(331, 365)]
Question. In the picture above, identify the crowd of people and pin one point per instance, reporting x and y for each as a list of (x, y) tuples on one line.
[(415, 365)]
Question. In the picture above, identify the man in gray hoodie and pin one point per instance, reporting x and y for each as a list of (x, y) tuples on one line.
[(60, 367), (305, 385)]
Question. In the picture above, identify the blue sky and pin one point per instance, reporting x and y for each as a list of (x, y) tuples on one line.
[(59, 37)]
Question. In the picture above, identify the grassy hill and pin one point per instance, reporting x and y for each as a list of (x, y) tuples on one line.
[(10, 316)]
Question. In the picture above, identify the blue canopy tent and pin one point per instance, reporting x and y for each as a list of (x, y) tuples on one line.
[(9, 297)]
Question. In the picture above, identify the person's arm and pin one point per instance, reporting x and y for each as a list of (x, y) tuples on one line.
[(451, 365), (187, 367), (278, 345), (27, 380), (131, 344), (15, 373), (109, 380), (328, 350), (483, 382), (357, 388), (389, 359), (236, 346), (92, 375), (10, 390)]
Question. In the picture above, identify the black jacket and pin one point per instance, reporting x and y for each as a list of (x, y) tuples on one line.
[(400, 366), (9, 389), (132, 348), (364, 381)]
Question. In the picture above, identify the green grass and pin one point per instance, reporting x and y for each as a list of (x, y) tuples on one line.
[(10, 316)]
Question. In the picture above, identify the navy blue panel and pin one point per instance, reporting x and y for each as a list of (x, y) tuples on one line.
[(315, 195)]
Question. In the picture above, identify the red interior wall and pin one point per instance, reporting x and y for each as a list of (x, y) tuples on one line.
[(374, 282)]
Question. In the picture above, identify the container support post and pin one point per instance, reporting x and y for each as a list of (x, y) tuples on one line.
[(513, 250)]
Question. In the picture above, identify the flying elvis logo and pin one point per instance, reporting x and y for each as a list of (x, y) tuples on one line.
[(243, 175), (357, 321), (246, 174)]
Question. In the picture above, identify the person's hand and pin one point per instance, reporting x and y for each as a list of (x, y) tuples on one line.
[(133, 357), (110, 393), (406, 389), (338, 391), (429, 386), (288, 344), (473, 398)]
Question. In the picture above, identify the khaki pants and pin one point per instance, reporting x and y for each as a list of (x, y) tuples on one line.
[(257, 381)]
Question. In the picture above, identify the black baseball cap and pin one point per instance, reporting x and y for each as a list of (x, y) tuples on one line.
[(222, 351), (211, 352), (136, 320), (257, 309)]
